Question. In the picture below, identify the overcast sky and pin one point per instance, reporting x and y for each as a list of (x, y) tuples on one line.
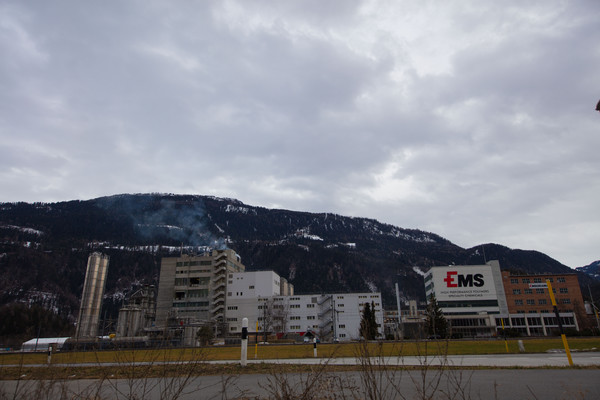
[(473, 120)]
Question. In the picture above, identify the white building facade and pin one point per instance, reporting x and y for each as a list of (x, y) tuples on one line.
[(326, 316), (467, 289)]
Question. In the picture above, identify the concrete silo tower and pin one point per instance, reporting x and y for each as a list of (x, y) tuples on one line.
[(91, 297)]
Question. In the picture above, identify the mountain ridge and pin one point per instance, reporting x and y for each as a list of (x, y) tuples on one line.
[(45, 246)]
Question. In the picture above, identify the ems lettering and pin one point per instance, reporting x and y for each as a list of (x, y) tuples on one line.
[(454, 279)]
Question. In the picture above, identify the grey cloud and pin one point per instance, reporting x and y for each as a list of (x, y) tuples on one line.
[(335, 106)]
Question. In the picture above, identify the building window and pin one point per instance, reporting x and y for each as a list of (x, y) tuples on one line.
[(228, 294), (537, 280), (550, 279), (525, 280), (566, 301), (310, 306), (342, 326), (561, 280), (539, 291), (340, 305), (531, 302), (518, 302), (294, 326), (233, 328), (342, 335), (295, 318), (251, 287), (231, 308), (310, 317), (294, 305), (542, 301), (516, 291), (528, 291), (514, 281), (563, 290)]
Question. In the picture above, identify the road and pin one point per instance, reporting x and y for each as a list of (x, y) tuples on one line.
[(512, 381), (456, 384)]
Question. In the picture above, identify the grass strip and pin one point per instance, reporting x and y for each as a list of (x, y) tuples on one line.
[(280, 352)]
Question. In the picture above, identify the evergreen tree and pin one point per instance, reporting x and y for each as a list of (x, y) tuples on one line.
[(435, 322), (368, 323), (205, 335)]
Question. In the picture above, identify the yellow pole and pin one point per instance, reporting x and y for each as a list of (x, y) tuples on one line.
[(562, 334), (503, 331), (256, 343)]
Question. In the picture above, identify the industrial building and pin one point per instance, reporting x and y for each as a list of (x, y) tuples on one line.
[(193, 288), (214, 289), (481, 300), (91, 298), (139, 314), (272, 308)]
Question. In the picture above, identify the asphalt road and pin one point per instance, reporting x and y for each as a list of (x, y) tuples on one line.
[(453, 384)]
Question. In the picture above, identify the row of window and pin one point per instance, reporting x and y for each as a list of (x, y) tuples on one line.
[(281, 305), (191, 304), (192, 281), (531, 302), (540, 291), (193, 263), (192, 271), (180, 294), (536, 280), (520, 321), (562, 310)]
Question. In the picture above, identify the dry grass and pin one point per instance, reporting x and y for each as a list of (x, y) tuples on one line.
[(272, 351)]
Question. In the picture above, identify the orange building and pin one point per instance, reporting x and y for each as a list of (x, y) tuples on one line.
[(529, 303)]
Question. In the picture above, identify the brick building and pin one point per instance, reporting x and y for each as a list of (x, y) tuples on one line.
[(523, 297), (530, 308)]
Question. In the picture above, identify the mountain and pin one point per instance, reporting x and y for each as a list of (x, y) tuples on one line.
[(592, 270), (44, 247)]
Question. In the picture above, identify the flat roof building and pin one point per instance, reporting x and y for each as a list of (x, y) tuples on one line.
[(194, 287), (334, 316), (479, 300), (467, 289)]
